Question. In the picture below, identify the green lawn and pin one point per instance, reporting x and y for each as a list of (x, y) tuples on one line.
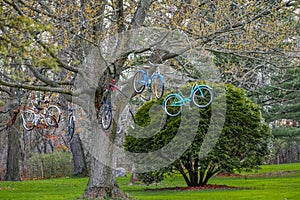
[(275, 182)]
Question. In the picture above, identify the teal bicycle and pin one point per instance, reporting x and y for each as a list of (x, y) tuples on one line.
[(201, 95)]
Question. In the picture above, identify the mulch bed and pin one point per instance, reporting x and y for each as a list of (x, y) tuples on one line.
[(206, 187)]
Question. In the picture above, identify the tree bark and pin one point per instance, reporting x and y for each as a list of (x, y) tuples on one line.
[(80, 166), (14, 147), (98, 144), (104, 186), (102, 182), (140, 13)]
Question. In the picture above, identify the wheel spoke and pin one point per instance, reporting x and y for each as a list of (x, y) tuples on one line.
[(202, 97), (172, 105)]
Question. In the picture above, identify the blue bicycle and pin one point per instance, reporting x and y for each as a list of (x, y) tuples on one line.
[(154, 84), (201, 95)]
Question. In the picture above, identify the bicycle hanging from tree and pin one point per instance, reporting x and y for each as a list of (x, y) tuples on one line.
[(126, 119), (201, 96), (40, 116), (105, 111), (154, 84), (71, 123)]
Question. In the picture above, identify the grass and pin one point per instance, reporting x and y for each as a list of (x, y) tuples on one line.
[(276, 182), (60, 188)]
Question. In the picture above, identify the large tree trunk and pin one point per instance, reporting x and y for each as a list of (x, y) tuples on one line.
[(98, 144), (101, 144), (104, 186), (80, 166), (14, 147), (102, 183)]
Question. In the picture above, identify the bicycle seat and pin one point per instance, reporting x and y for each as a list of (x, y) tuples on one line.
[(46, 101), (146, 66)]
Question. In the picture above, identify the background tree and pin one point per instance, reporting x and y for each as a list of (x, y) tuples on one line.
[(280, 101), (243, 143), (282, 96), (285, 146), (13, 133)]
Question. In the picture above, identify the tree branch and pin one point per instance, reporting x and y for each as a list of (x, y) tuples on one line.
[(14, 6), (140, 14), (120, 16), (36, 88), (39, 11), (55, 57)]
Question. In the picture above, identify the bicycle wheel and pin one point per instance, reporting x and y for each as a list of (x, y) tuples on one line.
[(146, 95), (53, 113), (120, 129), (131, 120), (158, 86), (71, 127), (106, 118), (50, 121), (126, 119), (172, 105), (121, 121), (139, 82), (202, 96), (28, 118)]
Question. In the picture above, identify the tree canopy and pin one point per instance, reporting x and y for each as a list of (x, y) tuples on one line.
[(243, 143), (47, 37)]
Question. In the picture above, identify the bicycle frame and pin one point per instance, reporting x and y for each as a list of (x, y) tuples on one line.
[(148, 81), (71, 123), (37, 117), (107, 105), (43, 110), (71, 114), (71, 110), (155, 75), (123, 120), (186, 100)]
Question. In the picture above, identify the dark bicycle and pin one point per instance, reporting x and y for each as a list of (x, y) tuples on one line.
[(71, 123), (105, 112)]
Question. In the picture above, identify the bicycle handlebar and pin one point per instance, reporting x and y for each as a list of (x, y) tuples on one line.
[(113, 87)]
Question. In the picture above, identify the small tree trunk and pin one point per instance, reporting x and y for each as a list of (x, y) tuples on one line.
[(14, 149), (80, 166), (206, 178), (132, 175)]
